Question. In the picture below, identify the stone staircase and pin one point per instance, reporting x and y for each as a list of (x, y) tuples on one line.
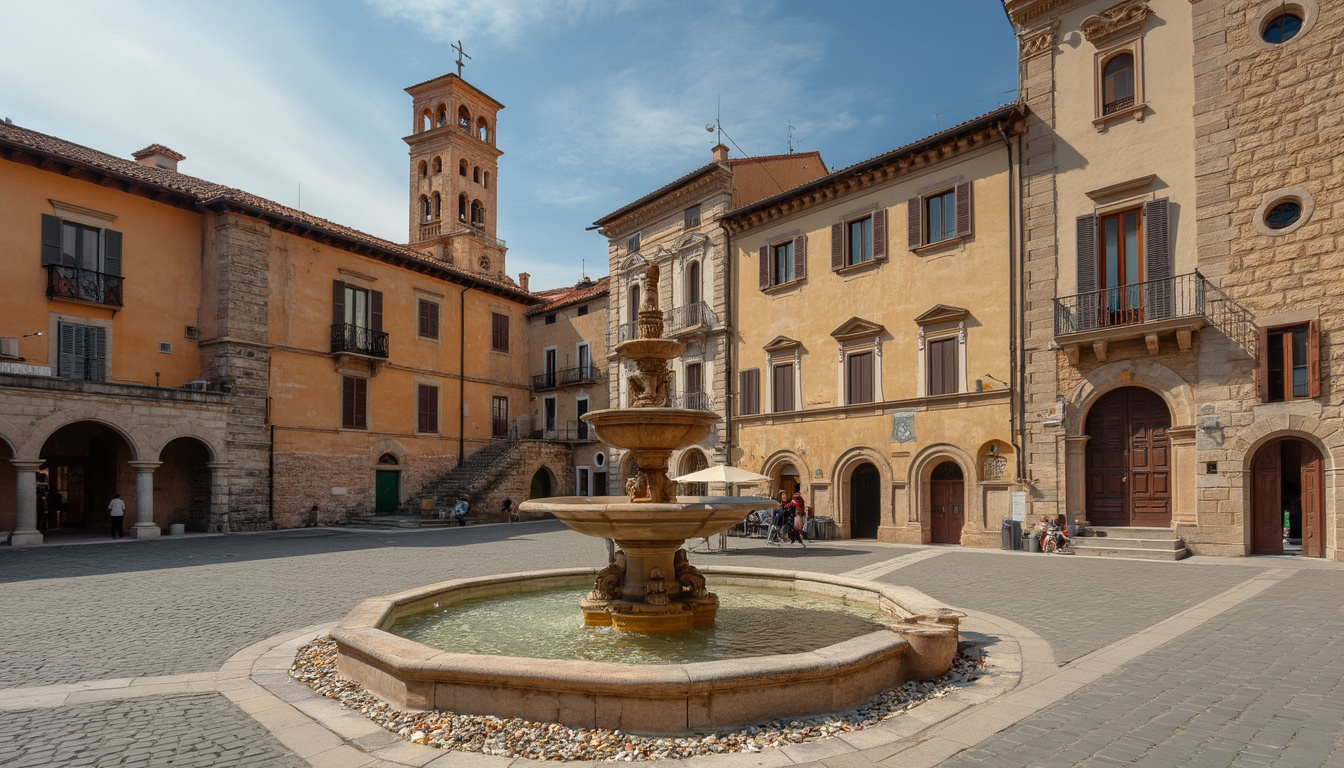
[(471, 481), (399, 521), (1140, 543)]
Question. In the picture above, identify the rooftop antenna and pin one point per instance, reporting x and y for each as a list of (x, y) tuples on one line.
[(790, 137), (460, 55)]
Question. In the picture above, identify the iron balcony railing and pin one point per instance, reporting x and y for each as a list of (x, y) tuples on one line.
[(674, 321), (1189, 295), (564, 377), (83, 285), (477, 230), (357, 340), (692, 401), (573, 431)]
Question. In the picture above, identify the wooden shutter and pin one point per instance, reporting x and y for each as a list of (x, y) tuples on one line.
[(361, 402), (765, 267), (95, 353), (111, 252), (51, 240), (376, 310), (914, 227), (965, 225), (1314, 358), (347, 401), (943, 367), (1158, 255), (1262, 366), (782, 385), (880, 234), (1087, 253), (749, 395), (337, 302), (800, 257), (860, 376), (68, 364), (837, 246)]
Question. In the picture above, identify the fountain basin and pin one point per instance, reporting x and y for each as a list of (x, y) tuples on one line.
[(651, 429), (666, 698)]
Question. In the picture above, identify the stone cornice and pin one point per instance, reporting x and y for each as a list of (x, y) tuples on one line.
[(1117, 20), (1037, 42), (717, 181), (1023, 12)]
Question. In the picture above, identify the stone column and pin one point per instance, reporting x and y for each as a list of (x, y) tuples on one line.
[(1075, 478), (25, 527), (144, 527), (219, 493), (1184, 476)]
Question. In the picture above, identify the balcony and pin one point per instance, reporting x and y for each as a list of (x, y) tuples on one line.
[(696, 317), (477, 230), (1177, 305), (565, 377), (83, 285), (353, 340), (574, 431), (692, 401)]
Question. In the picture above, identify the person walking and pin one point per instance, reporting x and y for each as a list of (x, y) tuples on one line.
[(775, 519), (799, 509), (460, 511), (510, 511), (117, 509)]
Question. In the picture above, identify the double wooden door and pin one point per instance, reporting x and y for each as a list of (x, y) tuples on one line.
[(1288, 482), (1129, 460), (947, 504)]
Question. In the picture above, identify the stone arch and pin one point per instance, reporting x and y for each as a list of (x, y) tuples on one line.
[(135, 438), (1163, 381), (552, 484), (774, 464), (1254, 436), (387, 446), (482, 130), (464, 118), (212, 443), (693, 459), (426, 121), (9, 437), (843, 473), (921, 472)]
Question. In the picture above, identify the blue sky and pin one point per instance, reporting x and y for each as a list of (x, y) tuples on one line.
[(606, 100)]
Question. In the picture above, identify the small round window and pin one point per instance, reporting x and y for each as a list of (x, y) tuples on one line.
[(1282, 28), (1283, 215)]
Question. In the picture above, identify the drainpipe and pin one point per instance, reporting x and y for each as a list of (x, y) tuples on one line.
[(1015, 326), (462, 376), (729, 338)]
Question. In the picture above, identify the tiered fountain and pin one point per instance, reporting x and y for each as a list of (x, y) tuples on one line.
[(649, 587)]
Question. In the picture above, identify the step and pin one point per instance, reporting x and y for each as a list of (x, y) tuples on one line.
[(400, 521), (1091, 542), (1127, 532), (1130, 552)]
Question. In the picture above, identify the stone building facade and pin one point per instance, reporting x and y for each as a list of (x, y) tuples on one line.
[(873, 322), (1177, 182), (676, 227), (226, 362)]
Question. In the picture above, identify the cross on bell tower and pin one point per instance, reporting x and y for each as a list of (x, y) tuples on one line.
[(453, 180)]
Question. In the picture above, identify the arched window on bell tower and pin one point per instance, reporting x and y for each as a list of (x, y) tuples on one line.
[(438, 165), (441, 116), (477, 214), (464, 118), (483, 130), (461, 207), (476, 174), (423, 167), (438, 206), (424, 208)]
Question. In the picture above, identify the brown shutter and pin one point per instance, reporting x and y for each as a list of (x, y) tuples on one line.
[(347, 401), (964, 226), (1087, 253), (1314, 358), (1158, 257), (337, 302), (112, 252), (51, 240), (376, 310), (1262, 366), (867, 374), (880, 234), (837, 246), (765, 267), (361, 402), (422, 316), (914, 227), (800, 257)]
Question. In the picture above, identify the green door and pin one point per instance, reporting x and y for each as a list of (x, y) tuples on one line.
[(387, 492)]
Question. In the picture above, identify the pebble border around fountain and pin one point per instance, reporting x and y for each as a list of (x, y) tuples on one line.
[(667, 699)]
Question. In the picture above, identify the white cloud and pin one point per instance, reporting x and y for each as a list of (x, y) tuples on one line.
[(503, 21)]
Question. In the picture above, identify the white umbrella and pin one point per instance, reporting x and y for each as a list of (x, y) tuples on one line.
[(721, 473)]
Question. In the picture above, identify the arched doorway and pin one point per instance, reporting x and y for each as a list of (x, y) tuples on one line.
[(182, 485), (9, 490), (542, 487), (1129, 460), (86, 463), (694, 461), (865, 502), (1288, 499), (947, 503), (788, 479), (387, 485)]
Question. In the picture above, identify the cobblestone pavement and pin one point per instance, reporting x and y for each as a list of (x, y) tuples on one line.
[(1261, 685), (1227, 691), (201, 729)]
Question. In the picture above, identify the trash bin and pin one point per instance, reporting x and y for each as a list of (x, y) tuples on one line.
[(1010, 537), (1033, 542), (823, 527)]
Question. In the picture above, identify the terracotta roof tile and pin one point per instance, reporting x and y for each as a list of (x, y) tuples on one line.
[(559, 298)]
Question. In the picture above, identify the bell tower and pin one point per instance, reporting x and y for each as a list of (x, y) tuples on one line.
[(454, 175)]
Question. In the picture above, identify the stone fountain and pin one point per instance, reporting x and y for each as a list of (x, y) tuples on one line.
[(651, 585)]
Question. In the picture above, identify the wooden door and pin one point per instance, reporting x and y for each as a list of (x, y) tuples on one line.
[(1267, 501), (946, 504), (1129, 460), (1313, 502), (387, 492), (865, 502)]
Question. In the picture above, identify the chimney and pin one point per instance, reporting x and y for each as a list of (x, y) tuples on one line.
[(158, 156), (720, 153), (523, 277)]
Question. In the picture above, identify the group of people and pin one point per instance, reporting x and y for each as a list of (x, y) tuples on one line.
[(788, 520)]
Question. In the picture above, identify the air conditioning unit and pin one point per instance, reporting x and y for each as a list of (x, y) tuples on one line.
[(192, 333), (196, 385), (9, 347), (166, 347)]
